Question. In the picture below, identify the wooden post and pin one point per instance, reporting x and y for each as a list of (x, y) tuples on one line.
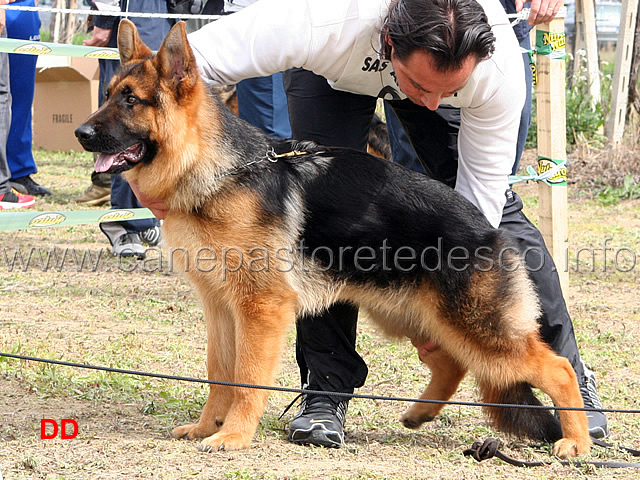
[(591, 47), (56, 23), (551, 109), (70, 26), (587, 40), (634, 92), (620, 83)]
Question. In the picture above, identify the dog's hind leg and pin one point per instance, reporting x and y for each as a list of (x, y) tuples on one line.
[(446, 375), (555, 376), (260, 330), (220, 366)]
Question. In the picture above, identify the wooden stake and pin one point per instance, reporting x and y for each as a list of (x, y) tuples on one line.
[(551, 108), (620, 83), (70, 24), (587, 40)]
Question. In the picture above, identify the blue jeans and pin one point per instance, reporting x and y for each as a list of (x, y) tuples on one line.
[(22, 68), (263, 103)]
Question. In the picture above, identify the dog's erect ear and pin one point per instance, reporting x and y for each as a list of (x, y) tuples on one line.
[(131, 48), (176, 62)]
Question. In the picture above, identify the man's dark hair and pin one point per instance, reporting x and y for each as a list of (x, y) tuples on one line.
[(450, 30)]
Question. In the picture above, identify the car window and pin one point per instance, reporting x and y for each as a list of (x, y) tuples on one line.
[(608, 13)]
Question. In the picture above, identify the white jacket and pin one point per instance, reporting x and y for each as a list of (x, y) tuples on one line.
[(340, 40)]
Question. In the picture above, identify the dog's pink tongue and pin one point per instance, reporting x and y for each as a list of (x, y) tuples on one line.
[(104, 161)]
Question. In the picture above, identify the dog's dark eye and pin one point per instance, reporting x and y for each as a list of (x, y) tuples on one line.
[(131, 100)]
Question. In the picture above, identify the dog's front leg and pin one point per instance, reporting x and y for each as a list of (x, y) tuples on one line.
[(260, 328), (221, 352)]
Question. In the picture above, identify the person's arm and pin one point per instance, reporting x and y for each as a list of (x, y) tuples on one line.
[(102, 28), (260, 40), (272, 36), (100, 37), (487, 141)]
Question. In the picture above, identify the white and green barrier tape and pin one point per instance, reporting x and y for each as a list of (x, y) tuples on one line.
[(11, 45), (551, 44), (26, 220), (550, 171)]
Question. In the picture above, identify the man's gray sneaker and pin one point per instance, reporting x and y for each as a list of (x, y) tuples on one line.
[(320, 421), (128, 245), (598, 425)]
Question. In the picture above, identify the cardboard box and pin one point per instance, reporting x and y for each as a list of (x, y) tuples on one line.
[(66, 93)]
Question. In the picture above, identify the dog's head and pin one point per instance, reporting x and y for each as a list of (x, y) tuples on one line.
[(133, 124)]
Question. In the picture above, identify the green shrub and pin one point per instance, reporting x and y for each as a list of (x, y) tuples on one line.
[(584, 121)]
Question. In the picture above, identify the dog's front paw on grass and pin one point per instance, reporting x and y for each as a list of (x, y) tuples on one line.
[(569, 448), (415, 416), (225, 441), (193, 431)]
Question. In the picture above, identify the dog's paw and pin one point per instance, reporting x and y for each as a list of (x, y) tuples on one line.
[(568, 448), (413, 420), (193, 431), (565, 448), (225, 441)]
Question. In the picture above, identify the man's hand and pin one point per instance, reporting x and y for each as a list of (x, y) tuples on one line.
[(100, 37), (541, 11), (157, 206), (424, 348)]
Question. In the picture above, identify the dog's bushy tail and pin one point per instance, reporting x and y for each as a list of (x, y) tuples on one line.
[(536, 424)]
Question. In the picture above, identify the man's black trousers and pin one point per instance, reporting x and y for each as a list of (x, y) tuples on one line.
[(325, 348)]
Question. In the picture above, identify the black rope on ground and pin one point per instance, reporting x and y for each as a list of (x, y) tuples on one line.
[(305, 391), (490, 448)]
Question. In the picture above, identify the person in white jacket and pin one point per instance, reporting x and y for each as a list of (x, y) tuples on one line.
[(452, 72)]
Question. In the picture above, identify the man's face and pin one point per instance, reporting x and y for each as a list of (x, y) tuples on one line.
[(425, 85)]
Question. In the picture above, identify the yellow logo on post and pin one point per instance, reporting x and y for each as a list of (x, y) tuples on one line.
[(559, 175)]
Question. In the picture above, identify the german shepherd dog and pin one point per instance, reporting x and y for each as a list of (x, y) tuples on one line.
[(293, 227)]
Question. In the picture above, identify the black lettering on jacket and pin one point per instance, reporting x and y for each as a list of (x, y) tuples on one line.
[(374, 65)]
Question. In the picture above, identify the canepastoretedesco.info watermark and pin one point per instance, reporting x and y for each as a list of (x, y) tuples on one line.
[(604, 258)]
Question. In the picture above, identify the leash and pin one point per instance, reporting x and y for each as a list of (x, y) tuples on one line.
[(601, 443), (490, 448), (270, 156)]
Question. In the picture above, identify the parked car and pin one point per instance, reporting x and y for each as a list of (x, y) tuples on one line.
[(608, 15)]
